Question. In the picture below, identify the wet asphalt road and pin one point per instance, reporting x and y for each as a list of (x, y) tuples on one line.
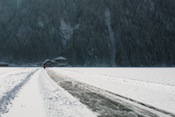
[(97, 100)]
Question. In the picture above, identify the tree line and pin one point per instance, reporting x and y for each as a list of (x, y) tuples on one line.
[(144, 31)]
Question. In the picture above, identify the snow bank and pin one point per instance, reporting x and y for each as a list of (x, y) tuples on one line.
[(59, 103), (151, 86)]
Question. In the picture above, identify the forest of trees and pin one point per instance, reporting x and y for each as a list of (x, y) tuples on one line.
[(89, 32)]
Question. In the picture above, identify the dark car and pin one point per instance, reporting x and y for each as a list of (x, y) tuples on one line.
[(47, 63)]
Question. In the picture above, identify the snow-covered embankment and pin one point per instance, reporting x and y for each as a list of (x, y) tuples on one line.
[(59, 102)]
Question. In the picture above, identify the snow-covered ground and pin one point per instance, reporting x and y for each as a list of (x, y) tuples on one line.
[(28, 92), (4, 70), (59, 103), (10, 84), (28, 102), (151, 86)]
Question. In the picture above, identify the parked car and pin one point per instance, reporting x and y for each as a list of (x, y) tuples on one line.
[(47, 63)]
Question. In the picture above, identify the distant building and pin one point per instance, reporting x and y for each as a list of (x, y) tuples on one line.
[(3, 64), (61, 61), (57, 62)]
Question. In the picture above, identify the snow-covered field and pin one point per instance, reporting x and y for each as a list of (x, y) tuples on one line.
[(26, 92), (7, 69), (151, 86), (29, 92)]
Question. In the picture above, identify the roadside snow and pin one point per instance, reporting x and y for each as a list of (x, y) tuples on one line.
[(24, 94), (151, 86), (8, 81), (10, 84), (4, 70), (42, 97), (59, 103), (29, 102)]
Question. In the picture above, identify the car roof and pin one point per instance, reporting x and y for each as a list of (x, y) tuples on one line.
[(47, 60)]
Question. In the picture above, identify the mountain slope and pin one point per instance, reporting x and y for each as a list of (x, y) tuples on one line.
[(90, 33)]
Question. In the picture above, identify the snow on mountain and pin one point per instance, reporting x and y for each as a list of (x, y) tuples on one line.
[(89, 32)]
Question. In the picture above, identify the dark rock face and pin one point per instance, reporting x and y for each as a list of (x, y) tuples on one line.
[(89, 32)]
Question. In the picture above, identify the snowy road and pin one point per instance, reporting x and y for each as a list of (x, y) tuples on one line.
[(30, 92), (10, 86), (106, 104), (60, 92)]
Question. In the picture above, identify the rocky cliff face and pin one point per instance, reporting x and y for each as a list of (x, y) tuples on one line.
[(89, 32)]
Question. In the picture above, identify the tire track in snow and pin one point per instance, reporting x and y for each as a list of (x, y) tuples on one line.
[(143, 104), (58, 102), (5, 101), (97, 100)]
